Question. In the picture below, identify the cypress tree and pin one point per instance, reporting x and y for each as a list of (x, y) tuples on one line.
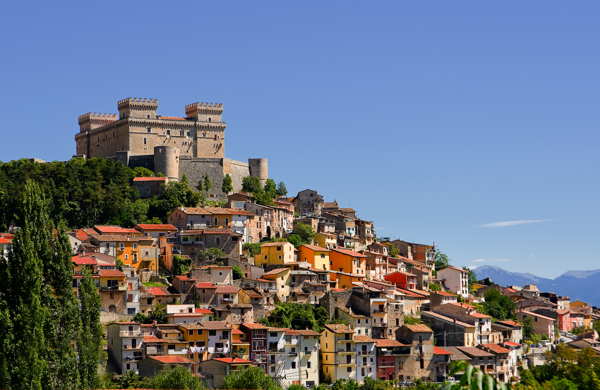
[(23, 298), (63, 321), (90, 334)]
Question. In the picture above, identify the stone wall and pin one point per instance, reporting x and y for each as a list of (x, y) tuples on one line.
[(196, 168), (237, 170)]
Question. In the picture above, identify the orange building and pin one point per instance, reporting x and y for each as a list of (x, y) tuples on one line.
[(316, 256), (350, 262)]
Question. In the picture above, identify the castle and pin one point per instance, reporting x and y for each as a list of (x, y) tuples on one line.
[(193, 145)]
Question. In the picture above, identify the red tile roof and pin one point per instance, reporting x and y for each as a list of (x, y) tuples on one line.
[(275, 271), (227, 290), (338, 328), (233, 360), (171, 359), (200, 310), (156, 226), (418, 328), (214, 211), (254, 325), (205, 285), (495, 348), (301, 332), (348, 252), (182, 277), (147, 178), (83, 260), (387, 343), (107, 229), (440, 351), (512, 344), (315, 248), (479, 315), (157, 291), (510, 322), (444, 293), (108, 273)]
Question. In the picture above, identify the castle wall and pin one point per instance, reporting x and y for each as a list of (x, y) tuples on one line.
[(237, 170), (196, 168)]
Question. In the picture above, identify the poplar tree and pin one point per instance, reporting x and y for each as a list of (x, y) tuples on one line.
[(23, 298), (90, 334)]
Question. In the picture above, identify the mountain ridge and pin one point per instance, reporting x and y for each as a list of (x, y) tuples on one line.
[(578, 285)]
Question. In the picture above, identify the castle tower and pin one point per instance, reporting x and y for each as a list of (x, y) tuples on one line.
[(210, 129), (137, 108), (166, 161), (259, 167)]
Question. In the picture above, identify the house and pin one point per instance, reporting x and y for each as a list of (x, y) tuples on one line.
[(511, 330), (131, 248), (156, 230), (149, 186), (257, 338), (437, 298), (293, 356), (449, 331), (152, 365), (193, 317), (240, 345), (461, 315), (206, 217), (5, 244), (215, 370), (455, 279), (390, 355), (282, 278), (418, 363), (504, 370), (125, 345), (439, 364), (273, 221), (338, 353), (275, 253), (481, 359), (348, 261), (325, 240), (377, 261), (316, 256), (308, 203), (403, 280), (218, 342), (361, 324), (113, 290), (152, 296), (192, 242), (216, 274), (542, 325), (365, 358)]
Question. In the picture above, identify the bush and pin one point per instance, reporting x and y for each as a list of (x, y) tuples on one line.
[(250, 378)]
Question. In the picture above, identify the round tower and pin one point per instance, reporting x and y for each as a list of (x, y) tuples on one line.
[(259, 167), (166, 161)]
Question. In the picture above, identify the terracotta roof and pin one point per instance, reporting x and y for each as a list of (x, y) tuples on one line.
[(254, 325), (301, 332), (509, 322), (157, 291), (348, 252), (252, 293), (205, 285), (512, 344), (214, 211), (156, 226), (275, 271), (338, 328), (171, 359), (83, 260), (418, 328), (154, 339), (236, 331), (444, 293), (472, 351), (495, 348), (387, 343), (109, 229), (536, 315), (5, 240), (233, 360), (479, 315), (276, 243), (440, 351), (182, 277), (149, 178), (108, 273), (315, 248), (227, 290), (216, 325)]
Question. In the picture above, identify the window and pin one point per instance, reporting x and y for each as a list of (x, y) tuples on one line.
[(145, 141), (212, 332), (148, 130), (349, 369), (168, 132), (308, 364), (293, 364)]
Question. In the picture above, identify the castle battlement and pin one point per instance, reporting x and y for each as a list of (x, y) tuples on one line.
[(97, 116), (203, 108), (138, 102)]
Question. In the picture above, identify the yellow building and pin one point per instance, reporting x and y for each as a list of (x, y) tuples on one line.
[(282, 278), (325, 240), (344, 280), (316, 256), (240, 346), (338, 353), (140, 252), (273, 253)]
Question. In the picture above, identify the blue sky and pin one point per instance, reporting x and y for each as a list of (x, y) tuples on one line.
[(436, 119)]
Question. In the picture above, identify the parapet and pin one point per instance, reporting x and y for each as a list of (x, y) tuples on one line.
[(92, 120), (192, 110), (146, 103)]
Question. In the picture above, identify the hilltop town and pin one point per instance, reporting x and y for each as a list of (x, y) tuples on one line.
[(241, 274)]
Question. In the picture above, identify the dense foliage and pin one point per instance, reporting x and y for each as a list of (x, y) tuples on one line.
[(85, 192), (250, 378), (297, 316), (498, 305), (49, 338), (263, 195), (302, 234)]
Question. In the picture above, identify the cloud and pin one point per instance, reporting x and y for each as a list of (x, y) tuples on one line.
[(515, 222), (491, 260)]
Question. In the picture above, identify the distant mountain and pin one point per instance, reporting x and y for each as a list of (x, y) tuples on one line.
[(582, 285)]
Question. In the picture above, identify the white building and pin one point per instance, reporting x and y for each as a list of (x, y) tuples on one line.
[(125, 345), (455, 279), (365, 358)]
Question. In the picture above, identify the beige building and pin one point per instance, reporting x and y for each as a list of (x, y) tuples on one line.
[(191, 145)]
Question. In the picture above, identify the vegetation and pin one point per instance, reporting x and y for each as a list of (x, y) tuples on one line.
[(174, 378), (86, 192), (237, 272), (297, 316), (251, 248), (47, 333), (434, 286), (441, 260), (227, 185), (281, 189), (181, 265), (250, 378), (210, 254), (302, 234), (158, 314), (262, 195), (498, 305), (408, 320)]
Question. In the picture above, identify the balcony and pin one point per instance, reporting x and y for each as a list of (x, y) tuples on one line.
[(113, 288), (345, 351), (132, 348)]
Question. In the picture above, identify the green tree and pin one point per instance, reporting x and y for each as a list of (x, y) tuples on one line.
[(393, 250), (90, 337), (206, 183), (181, 264), (174, 378), (251, 248), (211, 254), (24, 303), (302, 234), (227, 185), (270, 188), (142, 172), (498, 306), (527, 328), (251, 184), (250, 378), (237, 272), (297, 316), (441, 260), (281, 189)]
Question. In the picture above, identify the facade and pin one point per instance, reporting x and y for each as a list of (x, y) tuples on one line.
[(125, 345), (275, 253), (455, 279), (316, 256), (338, 353)]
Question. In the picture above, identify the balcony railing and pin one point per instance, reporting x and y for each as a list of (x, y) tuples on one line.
[(130, 333)]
